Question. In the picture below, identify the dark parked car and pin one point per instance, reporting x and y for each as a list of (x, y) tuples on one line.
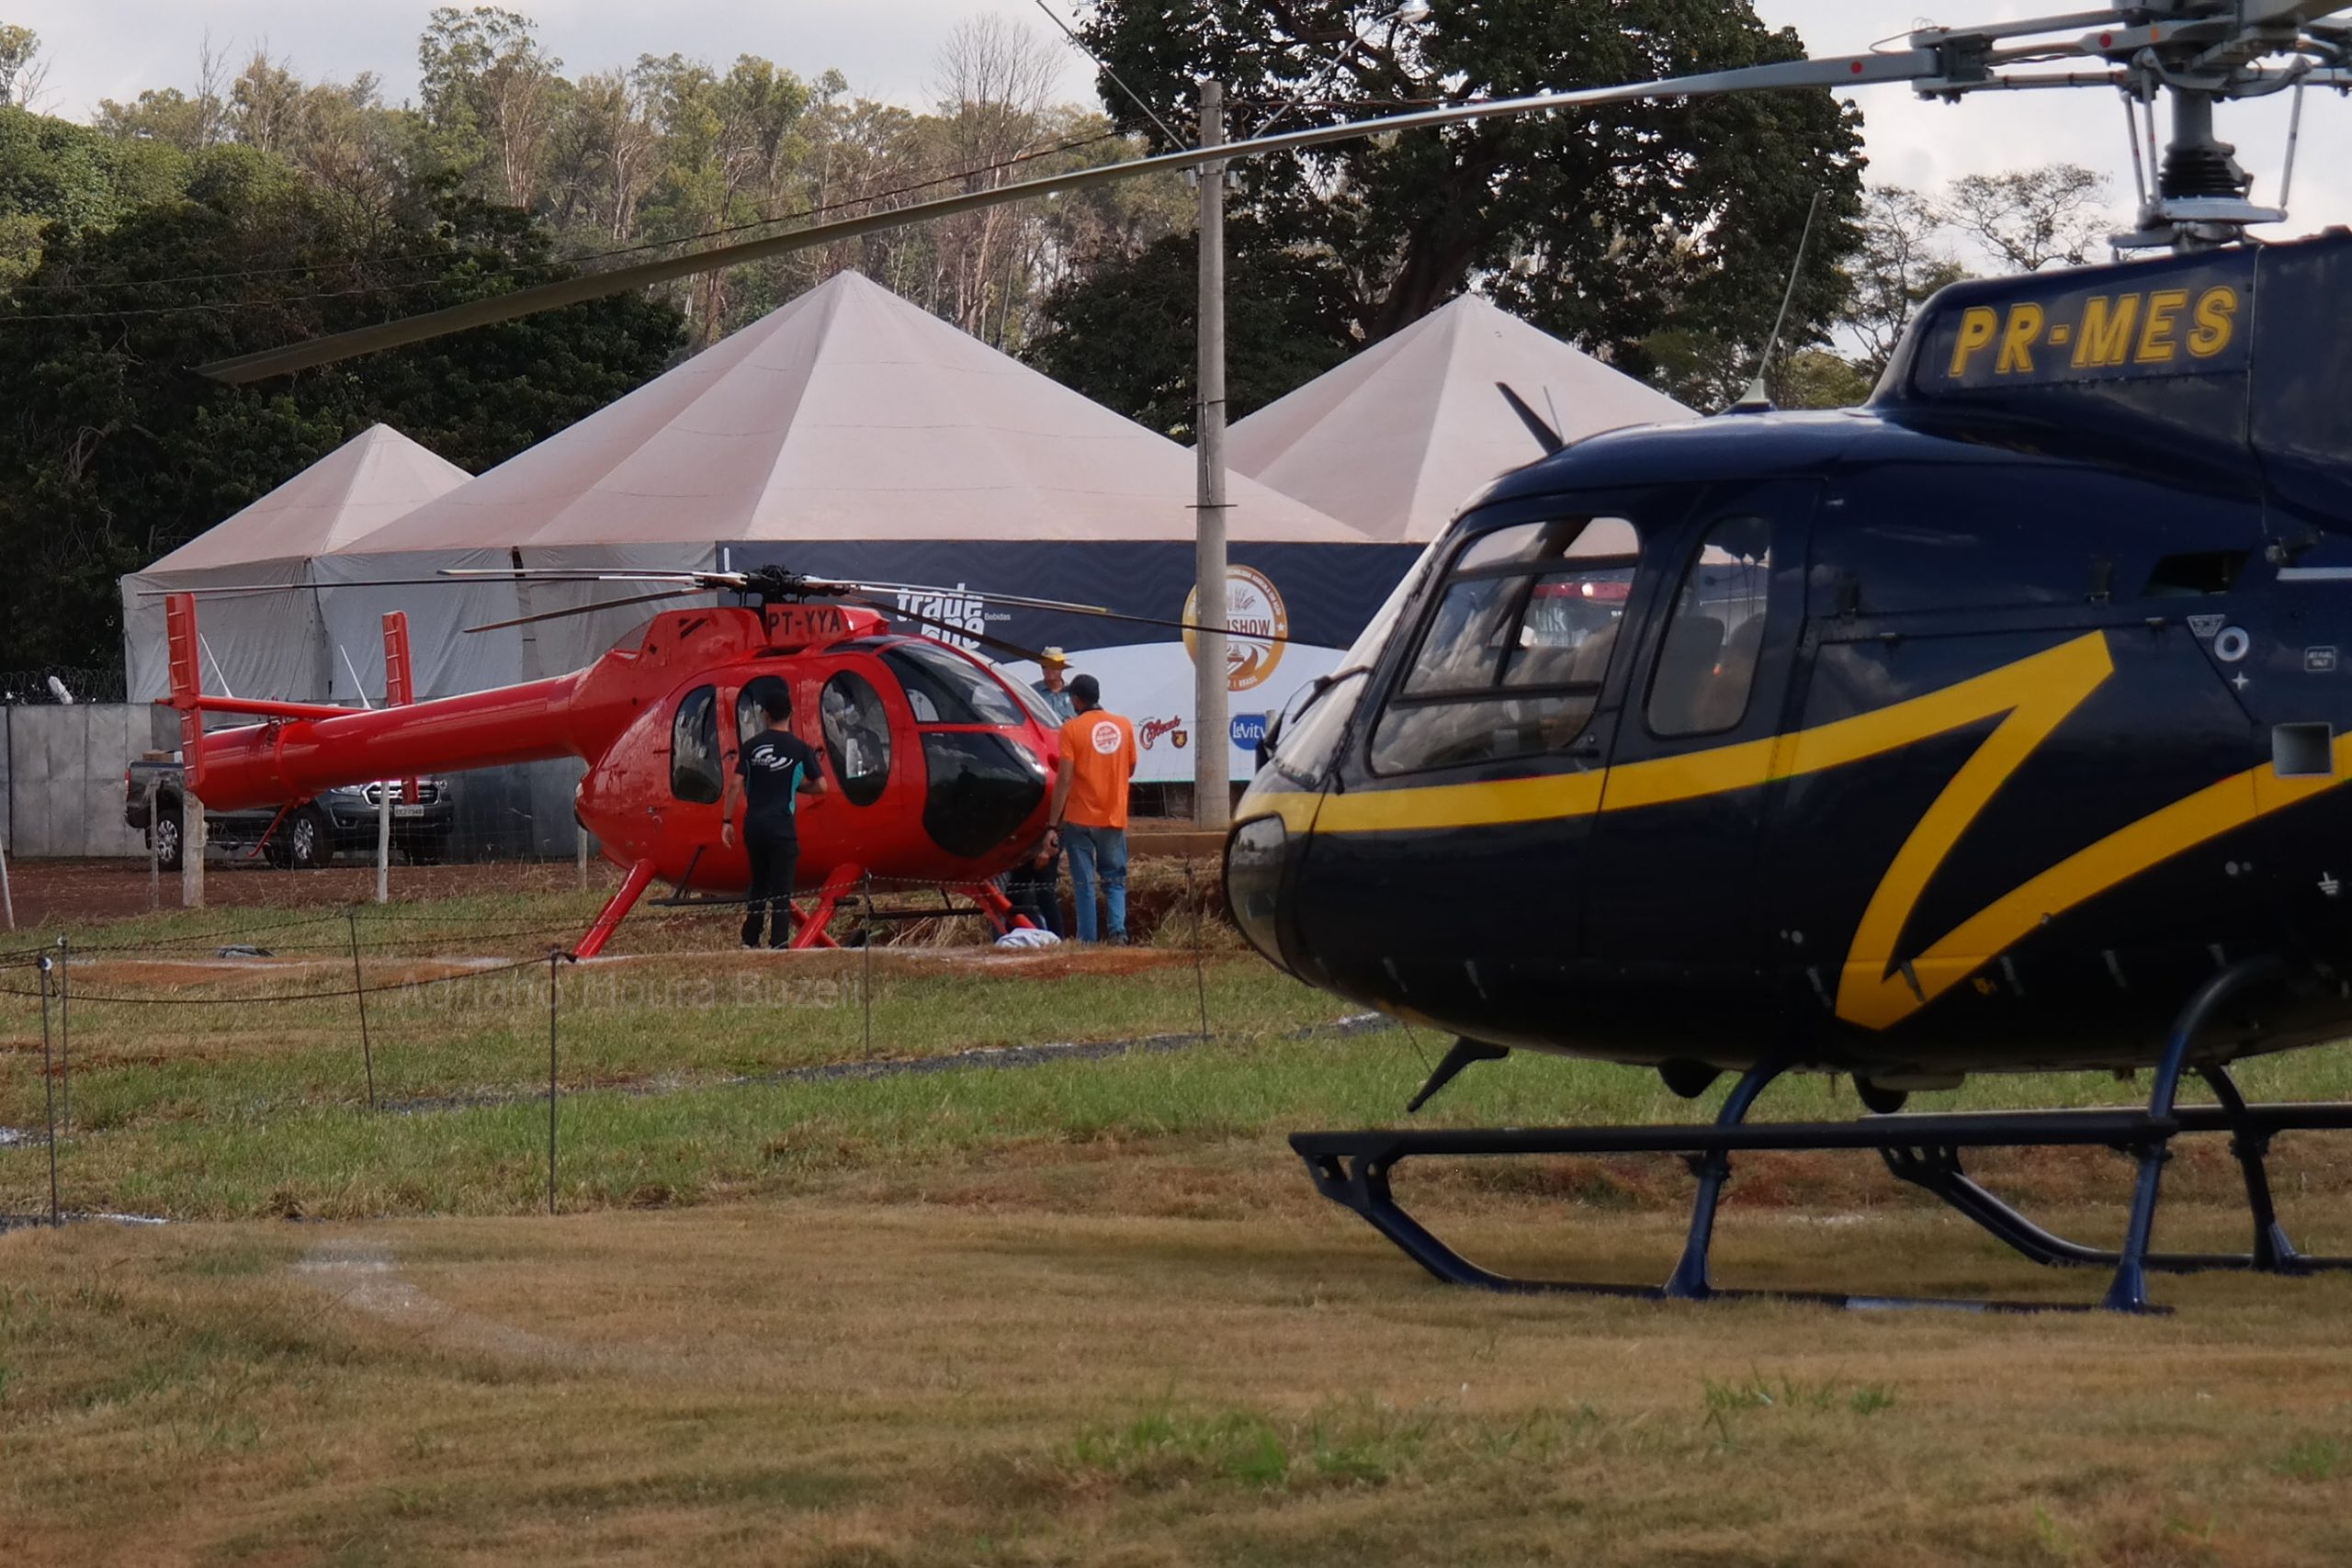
[(306, 837)]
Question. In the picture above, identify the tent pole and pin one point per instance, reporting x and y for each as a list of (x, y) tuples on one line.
[(1211, 763)]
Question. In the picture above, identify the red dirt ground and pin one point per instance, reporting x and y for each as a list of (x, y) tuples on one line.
[(55, 892)]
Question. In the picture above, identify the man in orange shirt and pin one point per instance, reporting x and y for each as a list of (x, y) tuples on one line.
[(1090, 809)]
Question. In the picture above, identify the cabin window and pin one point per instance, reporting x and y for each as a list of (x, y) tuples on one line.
[(982, 789), (1511, 660), (1706, 661), (694, 748), (947, 688), (857, 737)]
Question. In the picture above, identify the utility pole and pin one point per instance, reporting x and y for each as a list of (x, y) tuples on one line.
[(1211, 770)]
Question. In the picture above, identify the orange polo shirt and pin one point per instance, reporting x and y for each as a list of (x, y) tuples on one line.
[(1099, 748)]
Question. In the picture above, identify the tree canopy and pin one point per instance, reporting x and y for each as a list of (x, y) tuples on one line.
[(1632, 230), (250, 206), (117, 453)]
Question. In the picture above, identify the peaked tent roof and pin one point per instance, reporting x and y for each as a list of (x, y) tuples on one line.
[(370, 481), (846, 414), (1396, 439)]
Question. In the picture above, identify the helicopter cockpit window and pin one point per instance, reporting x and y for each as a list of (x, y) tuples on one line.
[(945, 689), (857, 737), (694, 748), (1512, 660), (1706, 662)]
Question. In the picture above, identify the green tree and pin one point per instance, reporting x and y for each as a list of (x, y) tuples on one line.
[(1135, 350), (58, 179), (2027, 218), (119, 454), (1609, 226), (491, 96), (1902, 263), (22, 71)]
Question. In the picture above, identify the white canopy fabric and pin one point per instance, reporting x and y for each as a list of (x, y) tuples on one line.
[(847, 414), (277, 643), (374, 477), (1394, 441)]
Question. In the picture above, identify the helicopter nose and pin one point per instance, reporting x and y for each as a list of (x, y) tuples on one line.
[(1259, 857)]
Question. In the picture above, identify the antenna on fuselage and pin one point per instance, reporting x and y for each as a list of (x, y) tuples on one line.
[(1759, 397)]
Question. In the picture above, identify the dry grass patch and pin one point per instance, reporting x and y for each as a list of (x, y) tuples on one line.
[(830, 1382)]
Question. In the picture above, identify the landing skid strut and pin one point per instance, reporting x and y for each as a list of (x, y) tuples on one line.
[(1353, 1169)]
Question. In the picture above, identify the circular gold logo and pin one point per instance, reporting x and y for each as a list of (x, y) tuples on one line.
[(1255, 617)]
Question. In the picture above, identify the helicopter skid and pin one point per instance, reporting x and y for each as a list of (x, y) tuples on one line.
[(1353, 1169)]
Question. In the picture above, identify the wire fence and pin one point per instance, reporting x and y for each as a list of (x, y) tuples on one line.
[(62, 684), (266, 1018)]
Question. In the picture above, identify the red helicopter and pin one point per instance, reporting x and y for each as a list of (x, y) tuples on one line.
[(941, 767)]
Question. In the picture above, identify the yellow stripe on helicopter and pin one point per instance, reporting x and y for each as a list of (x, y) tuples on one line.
[(2037, 694)]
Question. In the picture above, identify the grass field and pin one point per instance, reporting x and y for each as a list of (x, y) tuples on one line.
[(1085, 1311)]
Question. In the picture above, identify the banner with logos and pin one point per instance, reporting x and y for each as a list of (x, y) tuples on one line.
[(1315, 597)]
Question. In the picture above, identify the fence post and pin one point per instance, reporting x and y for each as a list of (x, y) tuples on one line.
[(48, 1089), (866, 982), (359, 989), (8, 827), (580, 853), (192, 838), (1200, 942), (384, 842), (554, 957), (65, 1032), (155, 850)]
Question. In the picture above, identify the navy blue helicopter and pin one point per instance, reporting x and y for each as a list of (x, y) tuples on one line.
[(1995, 726)]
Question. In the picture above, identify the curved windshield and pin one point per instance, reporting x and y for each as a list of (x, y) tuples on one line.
[(1365, 651), (1362, 654), (947, 688), (1311, 744), (982, 789), (1511, 657), (1031, 700)]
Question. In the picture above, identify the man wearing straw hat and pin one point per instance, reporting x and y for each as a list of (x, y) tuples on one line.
[(1056, 664)]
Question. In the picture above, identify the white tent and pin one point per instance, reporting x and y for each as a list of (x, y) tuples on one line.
[(1394, 441), (846, 418), (277, 643)]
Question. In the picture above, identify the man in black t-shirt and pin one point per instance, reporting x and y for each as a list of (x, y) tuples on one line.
[(774, 769)]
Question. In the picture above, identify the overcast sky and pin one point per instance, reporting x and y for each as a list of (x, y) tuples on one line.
[(100, 48)]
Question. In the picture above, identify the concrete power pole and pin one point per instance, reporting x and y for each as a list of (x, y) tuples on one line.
[(1212, 772)]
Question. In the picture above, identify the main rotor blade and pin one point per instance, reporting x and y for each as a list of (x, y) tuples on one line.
[(567, 574), (1841, 70), (1181, 626), (587, 609), (229, 588), (985, 639), (1018, 602)]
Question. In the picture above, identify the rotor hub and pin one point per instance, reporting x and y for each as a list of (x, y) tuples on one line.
[(2208, 169)]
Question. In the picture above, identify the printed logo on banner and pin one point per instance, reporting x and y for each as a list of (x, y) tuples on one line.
[(957, 607), (1248, 730), (1255, 617), (1154, 730)]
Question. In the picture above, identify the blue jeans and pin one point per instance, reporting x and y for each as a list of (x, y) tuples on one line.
[(1093, 850)]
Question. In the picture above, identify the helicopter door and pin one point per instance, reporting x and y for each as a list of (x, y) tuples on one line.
[(1675, 889), (1447, 864)]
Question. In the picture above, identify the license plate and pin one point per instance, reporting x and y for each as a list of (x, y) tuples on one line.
[(408, 810)]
